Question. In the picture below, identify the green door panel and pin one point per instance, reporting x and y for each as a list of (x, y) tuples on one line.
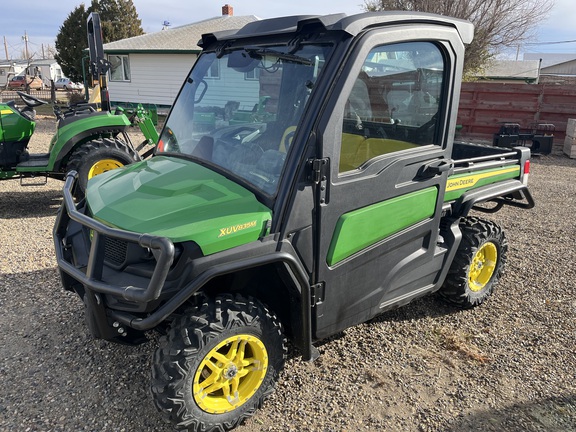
[(364, 227)]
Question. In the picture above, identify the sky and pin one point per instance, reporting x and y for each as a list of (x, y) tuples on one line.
[(41, 22)]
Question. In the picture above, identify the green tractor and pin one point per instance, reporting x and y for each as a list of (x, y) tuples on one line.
[(90, 138), (86, 140)]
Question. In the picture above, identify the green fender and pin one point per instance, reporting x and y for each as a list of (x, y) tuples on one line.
[(79, 129)]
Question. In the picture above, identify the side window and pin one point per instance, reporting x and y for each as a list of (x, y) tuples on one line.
[(214, 70), (393, 104), (119, 67)]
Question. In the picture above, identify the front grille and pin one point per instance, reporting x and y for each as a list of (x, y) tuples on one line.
[(115, 251)]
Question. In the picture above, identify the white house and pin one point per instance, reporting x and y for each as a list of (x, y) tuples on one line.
[(151, 68), (47, 69), (9, 68)]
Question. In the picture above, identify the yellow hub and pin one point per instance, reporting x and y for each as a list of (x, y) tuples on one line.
[(483, 266), (102, 166), (230, 374)]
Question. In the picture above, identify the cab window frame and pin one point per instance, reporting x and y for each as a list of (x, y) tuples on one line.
[(363, 137)]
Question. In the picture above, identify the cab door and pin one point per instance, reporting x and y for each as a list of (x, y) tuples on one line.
[(385, 161)]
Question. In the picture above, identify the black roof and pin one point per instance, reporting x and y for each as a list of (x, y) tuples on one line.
[(353, 24)]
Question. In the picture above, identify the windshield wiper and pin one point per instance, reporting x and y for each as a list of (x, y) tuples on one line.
[(259, 51)]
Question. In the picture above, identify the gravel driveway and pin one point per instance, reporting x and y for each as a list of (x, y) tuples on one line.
[(508, 365)]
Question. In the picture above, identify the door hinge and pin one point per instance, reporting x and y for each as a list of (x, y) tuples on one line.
[(317, 293), (319, 169)]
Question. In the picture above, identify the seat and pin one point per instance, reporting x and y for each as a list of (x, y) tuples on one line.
[(398, 101), (357, 149), (359, 101)]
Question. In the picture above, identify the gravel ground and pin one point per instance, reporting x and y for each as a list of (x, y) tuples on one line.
[(508, 365)]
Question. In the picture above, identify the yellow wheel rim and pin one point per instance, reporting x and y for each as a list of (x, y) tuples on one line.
[(102, 166), (483, 266), (230, 374)]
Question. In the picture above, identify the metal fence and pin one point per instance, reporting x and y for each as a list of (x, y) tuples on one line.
[(49, 94)]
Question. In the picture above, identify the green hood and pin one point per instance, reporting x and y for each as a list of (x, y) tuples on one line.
[(178, 199)]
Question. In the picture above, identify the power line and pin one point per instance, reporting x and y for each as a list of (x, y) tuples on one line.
[(550, 43)]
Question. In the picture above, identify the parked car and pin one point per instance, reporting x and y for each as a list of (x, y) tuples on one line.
[(67, 84), (19, 81)]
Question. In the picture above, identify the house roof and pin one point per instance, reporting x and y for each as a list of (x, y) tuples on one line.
[(183, 39), (550, 59), (43, 62), (10, 63), (567, 68), (514, 70)]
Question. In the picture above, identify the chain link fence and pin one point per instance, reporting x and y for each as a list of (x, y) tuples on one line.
[(47, 93)]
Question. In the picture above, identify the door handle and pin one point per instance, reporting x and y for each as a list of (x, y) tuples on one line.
[(435, 168)]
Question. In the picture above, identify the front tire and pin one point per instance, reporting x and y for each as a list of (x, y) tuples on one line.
[(217, 364), (96, 157), (478, 264)]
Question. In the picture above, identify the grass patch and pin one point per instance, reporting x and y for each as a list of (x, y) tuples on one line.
[(461, 344)]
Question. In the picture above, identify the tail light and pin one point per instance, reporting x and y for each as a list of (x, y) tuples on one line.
[(526, 172)]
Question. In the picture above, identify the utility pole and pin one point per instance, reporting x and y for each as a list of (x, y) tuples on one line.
[(6, 48), (25, 37)]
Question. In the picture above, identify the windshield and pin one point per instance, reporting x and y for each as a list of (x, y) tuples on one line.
[(239, 112)]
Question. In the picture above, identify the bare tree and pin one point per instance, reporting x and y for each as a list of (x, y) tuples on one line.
[(499, 24)]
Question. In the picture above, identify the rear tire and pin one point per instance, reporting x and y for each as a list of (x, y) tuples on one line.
[(217, 364), (96, 157), (478, 264)]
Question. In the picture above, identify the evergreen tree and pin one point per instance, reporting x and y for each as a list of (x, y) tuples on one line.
[(71, 41), (119, 20)]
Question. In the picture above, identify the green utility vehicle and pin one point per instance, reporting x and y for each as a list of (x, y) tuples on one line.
[(306, 180), (88, 140)]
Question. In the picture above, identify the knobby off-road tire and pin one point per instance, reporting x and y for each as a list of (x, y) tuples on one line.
[(217, 364), (96, 157), (478, 264)]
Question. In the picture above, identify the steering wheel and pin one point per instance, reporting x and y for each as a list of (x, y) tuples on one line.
[(30, 101)]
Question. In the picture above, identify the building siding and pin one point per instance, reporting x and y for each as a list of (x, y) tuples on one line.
[(230, 83), (157, 78), (154, 78)]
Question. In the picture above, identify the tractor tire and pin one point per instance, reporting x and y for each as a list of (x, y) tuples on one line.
[(478, 264), (96, 157), (217, 364)]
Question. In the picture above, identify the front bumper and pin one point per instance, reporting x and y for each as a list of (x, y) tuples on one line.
[(79, 244)]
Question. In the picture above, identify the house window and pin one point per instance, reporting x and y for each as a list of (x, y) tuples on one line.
[(119, 67), (254, 74), (214, 71)]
